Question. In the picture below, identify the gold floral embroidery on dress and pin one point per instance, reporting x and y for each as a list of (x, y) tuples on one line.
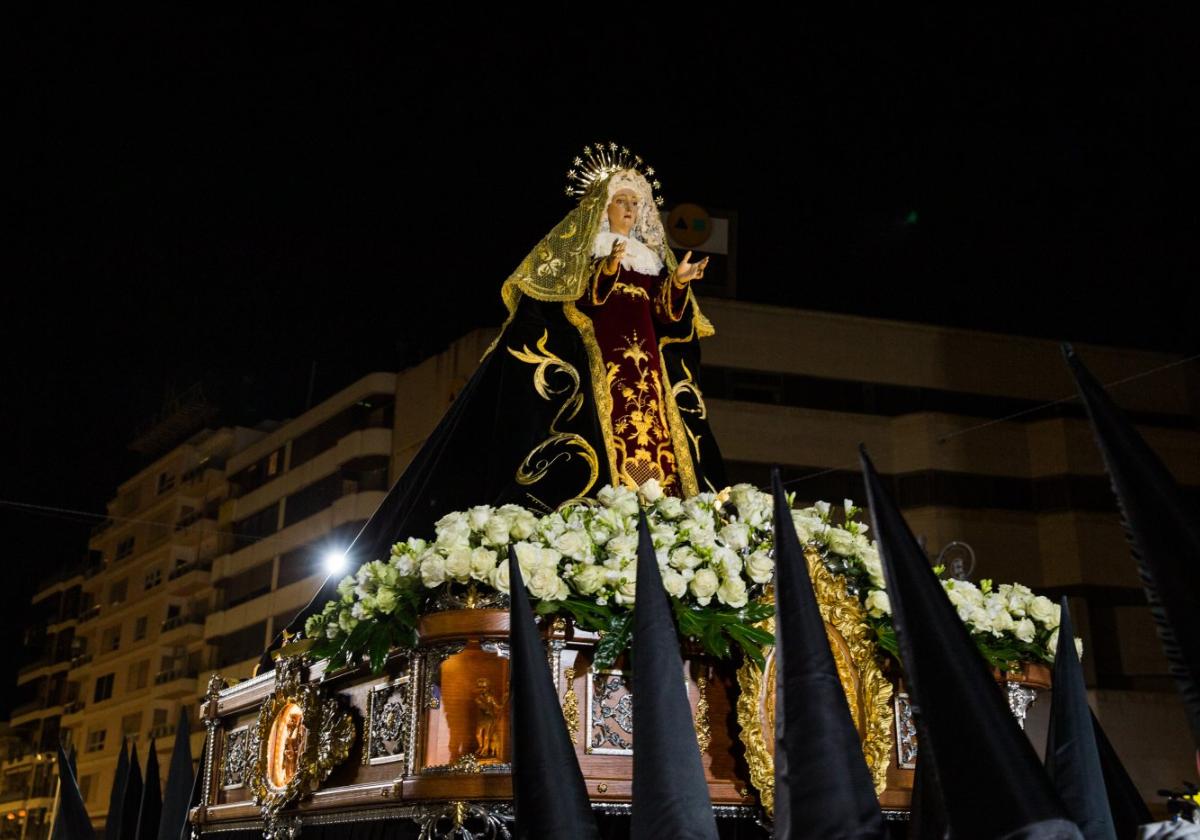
[(642, 421), (539, 460)]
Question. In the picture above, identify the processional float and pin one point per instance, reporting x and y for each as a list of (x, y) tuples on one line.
[(392, 704)]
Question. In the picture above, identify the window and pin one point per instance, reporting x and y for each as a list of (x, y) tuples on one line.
[(259, 473), (139, 628), (104, 689), (139, 675), (153, 577), (85, 786), (247, 585), (131, 725), (110, 639), (166, 481), (95, 740), (117, 592), (251, 529), (124, 548), (160, 718), (240, 645), (274, 461)]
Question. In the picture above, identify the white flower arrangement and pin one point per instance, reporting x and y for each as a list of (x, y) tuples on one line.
[(715, 557)]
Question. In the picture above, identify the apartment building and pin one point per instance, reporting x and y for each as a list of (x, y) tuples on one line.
[(297, 494)]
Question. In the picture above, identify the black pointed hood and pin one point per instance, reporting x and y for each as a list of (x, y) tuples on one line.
[(178, 792), (670, 795), (549, 795), (132, 800), (1072, 761), (150, 812), (116, 797), (823, 789), (992, 784), (1163, 530), (71, 822), (1126, 805)]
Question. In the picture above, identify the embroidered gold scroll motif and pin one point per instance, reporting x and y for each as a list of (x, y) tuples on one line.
[(542, 457), (640, 435)]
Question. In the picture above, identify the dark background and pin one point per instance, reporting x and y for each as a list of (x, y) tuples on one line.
[(235, 200)]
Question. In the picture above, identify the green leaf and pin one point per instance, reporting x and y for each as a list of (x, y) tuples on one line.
[(614, 642)]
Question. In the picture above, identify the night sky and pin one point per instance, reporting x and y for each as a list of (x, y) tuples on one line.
[(236, 199)]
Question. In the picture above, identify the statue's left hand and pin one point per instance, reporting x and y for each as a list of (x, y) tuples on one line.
[(688, 271)]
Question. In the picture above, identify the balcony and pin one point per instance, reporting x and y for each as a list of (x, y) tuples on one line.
[(190, 577), (178, 682), (40, 662), (89, 614), (80, 660), (163, 730), (182, 628), (74, 707)]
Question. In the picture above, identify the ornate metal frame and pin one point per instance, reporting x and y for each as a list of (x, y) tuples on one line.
[(589, 700), (330, 734), (869, 693)]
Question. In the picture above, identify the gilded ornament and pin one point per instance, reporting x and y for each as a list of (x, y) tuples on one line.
[(297, 741), (703, 729), (868, 692), (570, 704), (537, 463)]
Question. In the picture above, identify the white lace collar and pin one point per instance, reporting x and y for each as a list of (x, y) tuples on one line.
[(637, 257)]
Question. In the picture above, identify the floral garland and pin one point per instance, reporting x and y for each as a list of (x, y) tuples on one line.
[(714, 553)]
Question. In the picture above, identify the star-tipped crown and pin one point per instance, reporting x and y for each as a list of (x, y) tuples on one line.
[(599, 161)]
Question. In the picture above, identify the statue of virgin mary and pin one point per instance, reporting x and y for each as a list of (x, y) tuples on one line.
[(592, 379)]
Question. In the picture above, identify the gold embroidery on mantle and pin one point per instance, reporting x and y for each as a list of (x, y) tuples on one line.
[(644, 414), (600, 388), (536, 464)]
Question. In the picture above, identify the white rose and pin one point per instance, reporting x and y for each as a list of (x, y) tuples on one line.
[(621, 499), (458, 564), (1044, 611), (704, 585), (732, 592), (873, 564), (433, 569), (483, 560), (478, 517), (878, 603), (499, 578), (623, 547), (1078, 647), (1024, 630), (627, 590), (406, 564), (385, 601), (699, 513), (760, 567), (727, 561), (670, 507), (736, 535), (496, 531), (685, 558), (806, 526), (522, 525), (674, 583), (662, 534), (543, 583), (589, 579), (650, 492), (841, 542), (574, 544)]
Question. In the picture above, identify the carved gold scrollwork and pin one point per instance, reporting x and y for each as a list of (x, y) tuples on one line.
[(703, 728), (868, 692), (539, 460), (298, 739), (570, 704)]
